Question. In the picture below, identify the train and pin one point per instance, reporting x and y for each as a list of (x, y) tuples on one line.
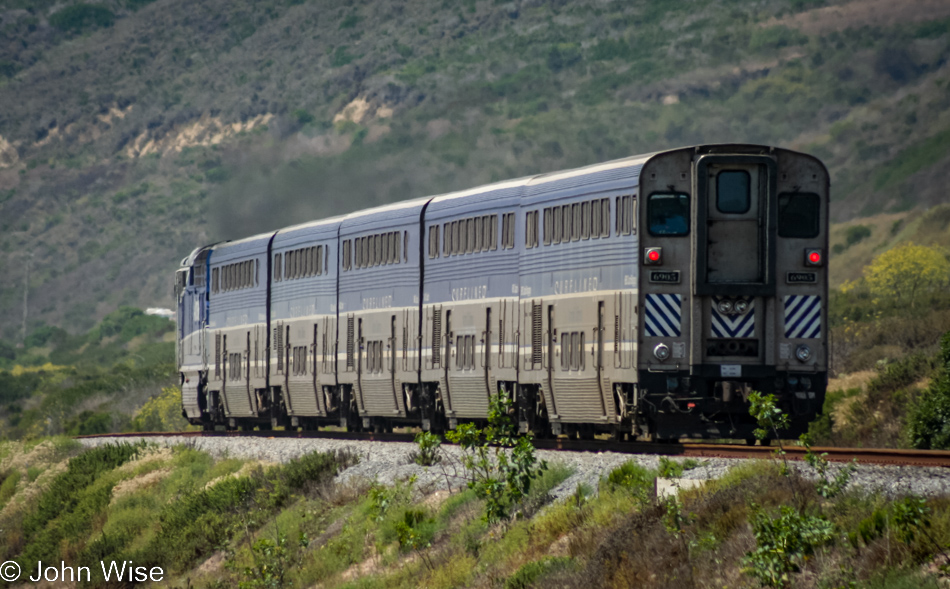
[(642, 298)]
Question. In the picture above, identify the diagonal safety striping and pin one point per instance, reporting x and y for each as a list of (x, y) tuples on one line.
[(802, 316), (663, 315)]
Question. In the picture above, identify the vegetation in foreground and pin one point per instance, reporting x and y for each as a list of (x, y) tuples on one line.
[(118, 376), (889, 350), (229, 522)]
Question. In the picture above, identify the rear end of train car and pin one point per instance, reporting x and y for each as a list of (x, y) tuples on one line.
[(733, 289)]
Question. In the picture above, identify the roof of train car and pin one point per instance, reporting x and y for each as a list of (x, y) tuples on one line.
[(379, 217), (382, 216), (228, 250)]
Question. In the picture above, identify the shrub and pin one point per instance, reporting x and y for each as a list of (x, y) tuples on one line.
[(315, 468), (161, 413), (500, 464), (88, 423), (82, 16), (428, 452), (530, 573), (856, 233), (8, 483), (633, 478), (929, 420)]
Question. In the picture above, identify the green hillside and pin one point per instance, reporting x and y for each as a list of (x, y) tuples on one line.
[(133, 131)]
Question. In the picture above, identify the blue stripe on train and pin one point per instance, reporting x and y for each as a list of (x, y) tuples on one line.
[(802, 316), (733, 326), (663, 315)]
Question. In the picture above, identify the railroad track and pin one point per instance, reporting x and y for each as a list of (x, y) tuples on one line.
[(939, 458)]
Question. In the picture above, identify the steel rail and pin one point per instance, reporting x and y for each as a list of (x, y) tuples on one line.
[(934, 458)]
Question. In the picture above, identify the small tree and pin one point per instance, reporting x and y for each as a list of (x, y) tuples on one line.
[(500, 464), (905, 272)]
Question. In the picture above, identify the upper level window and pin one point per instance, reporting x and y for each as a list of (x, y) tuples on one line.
[(733, 191), (668, 213), (799, 214)]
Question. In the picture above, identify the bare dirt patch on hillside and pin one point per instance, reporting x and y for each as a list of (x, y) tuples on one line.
[(864, 13)]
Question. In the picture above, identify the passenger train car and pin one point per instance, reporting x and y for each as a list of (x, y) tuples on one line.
[(640, 297)]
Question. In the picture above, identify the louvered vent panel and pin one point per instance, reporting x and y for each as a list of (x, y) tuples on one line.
[(349, 343), (436, 337), (616, 333), (535, 333)]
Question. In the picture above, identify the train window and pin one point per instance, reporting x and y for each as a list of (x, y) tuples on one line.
[(505, 220), (257, 272), (470, 245), (365, 245), (346, 254), (493, 233), (548, 223), (458, 244), (605, 217), (298, 264), (326, 259), (277, 267), (799, 214), (557, 225), (733, 191), (510, 241), (215, 284), (312, 270), (585, 220), (405, 249), (479, 234), (531, 229), (385, 248), (595, 220), (626, 215), (668, 213), (576, 227), (486, 232), (566, 217)]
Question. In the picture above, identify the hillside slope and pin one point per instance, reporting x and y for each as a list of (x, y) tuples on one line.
[(133, 131)]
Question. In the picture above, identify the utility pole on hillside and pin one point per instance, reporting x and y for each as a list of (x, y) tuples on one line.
[(26, 296)]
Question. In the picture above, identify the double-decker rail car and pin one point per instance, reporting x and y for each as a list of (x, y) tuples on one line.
[(643, 296)]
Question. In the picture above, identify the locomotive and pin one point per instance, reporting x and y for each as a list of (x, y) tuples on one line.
[(641, 297)]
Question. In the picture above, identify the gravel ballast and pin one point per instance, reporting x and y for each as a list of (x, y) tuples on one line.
[(389, 462)]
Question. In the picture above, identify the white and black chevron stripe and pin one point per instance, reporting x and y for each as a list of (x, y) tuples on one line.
[(663, 315), (802, 316), (732, 326)]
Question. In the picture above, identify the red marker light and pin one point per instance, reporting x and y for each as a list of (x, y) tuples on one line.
[(690, 405), (813, 257), (653, 256)]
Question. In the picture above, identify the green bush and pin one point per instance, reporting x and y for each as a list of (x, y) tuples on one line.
[(314, 467), (631, 477), (80, 17), (8, 483), (530, 573), (66, 508), (88, 423), (856, 233), (929, 419)]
